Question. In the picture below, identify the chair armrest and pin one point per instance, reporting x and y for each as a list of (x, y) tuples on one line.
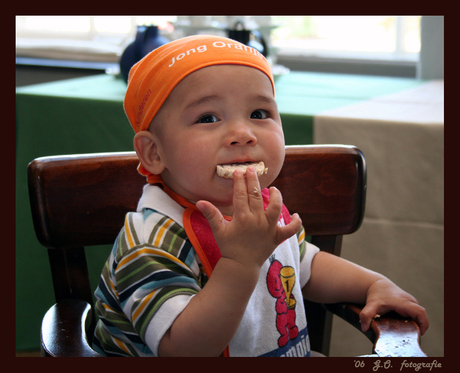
[(63, 331), (391, 334)]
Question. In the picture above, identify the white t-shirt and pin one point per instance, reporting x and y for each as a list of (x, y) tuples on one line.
[(270, 326)]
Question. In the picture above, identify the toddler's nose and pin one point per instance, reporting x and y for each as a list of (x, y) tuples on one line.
[(242, 134)]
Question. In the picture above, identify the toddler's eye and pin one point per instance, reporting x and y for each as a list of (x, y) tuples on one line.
[(208, 118), (259, 114)]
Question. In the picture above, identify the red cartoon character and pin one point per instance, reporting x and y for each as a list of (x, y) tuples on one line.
[(280, 282)]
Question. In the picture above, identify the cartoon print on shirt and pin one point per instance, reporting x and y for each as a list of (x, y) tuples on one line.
[(280, 282)]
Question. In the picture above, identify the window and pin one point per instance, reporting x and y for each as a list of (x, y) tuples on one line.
[(82, 38), (374, 37), (103, 38)]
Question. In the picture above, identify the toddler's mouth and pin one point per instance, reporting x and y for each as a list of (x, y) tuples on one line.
[(226, 170)]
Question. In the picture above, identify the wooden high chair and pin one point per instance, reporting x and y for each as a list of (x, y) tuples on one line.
[(79, 201)]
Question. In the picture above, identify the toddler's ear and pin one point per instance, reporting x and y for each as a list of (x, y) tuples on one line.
[(146, 146)]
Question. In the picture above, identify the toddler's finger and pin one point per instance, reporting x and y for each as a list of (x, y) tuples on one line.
[(254, 191), (211, 213), (366, 316), (240, 193), (416, 313), (274, 207)]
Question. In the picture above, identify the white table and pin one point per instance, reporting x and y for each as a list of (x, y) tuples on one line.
[(402, 236)]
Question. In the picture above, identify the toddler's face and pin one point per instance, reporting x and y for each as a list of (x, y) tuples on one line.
[(218, 115)]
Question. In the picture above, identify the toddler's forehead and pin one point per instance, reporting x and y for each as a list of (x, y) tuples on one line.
[(208, 82)]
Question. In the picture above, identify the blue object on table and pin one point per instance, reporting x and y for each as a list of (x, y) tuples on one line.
[(147, 39)]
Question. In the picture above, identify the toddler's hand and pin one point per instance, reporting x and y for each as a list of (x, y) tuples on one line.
[(384, 296), (254, 233)]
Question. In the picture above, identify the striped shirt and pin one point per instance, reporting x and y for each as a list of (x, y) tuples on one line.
[(150, 276)]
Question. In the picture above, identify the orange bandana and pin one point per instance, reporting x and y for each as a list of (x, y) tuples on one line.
[(152, 79)]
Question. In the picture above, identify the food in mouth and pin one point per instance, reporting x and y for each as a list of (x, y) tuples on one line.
[(226, 170)]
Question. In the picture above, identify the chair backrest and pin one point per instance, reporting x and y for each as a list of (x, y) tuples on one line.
[(80, 201)]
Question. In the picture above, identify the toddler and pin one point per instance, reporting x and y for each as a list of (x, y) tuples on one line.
[(212, 262)]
